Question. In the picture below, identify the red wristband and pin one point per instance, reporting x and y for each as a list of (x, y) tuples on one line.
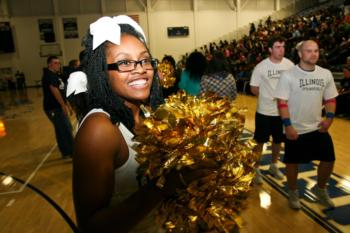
[(329, 101), (282, 105)]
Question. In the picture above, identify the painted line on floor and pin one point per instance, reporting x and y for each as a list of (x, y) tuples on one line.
[(321, 220), (63, 214), (48, 154), (307, 210)]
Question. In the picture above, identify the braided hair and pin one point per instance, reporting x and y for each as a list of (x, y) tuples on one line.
[(100, 93)]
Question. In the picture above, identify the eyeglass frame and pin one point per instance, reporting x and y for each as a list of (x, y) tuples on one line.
[(115, 65)]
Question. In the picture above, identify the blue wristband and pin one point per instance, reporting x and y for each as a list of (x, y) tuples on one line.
[(286, 122), (330, 115)]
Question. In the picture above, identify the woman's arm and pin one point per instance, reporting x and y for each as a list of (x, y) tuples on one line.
[(97, 144)]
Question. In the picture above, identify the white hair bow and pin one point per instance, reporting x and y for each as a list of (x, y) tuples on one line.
[(107, 28), (76, 83), (124, 19)]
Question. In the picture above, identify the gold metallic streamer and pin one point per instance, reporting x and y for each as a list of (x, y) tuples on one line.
[(192, 133), (168, 74)]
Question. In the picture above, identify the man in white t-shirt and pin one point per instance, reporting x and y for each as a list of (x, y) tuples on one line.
[(263, 82), (302, 91)]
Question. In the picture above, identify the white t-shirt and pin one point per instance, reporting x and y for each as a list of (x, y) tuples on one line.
[(305, 92), (266, 75)]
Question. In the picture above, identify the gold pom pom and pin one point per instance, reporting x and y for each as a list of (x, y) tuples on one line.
[(168, 74), (190, 132)]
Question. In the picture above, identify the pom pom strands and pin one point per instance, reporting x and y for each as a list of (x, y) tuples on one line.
[(193, 133), (167, 71)]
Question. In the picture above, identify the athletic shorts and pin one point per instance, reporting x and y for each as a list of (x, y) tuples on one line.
[(308, 147), (266, 126)]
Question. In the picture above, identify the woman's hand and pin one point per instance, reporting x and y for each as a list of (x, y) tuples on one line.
[(181, 179)]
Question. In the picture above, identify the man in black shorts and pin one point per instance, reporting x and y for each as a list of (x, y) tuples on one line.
[(263, 82), (302, 91)]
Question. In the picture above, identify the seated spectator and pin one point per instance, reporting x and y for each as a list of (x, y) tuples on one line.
[(218, 79), (345, 82), (343, 99), (191, 76)]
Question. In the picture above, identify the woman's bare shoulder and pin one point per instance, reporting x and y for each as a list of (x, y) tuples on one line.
[(98, 133)]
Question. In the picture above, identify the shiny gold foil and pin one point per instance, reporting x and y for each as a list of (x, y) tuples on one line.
[(168, 74), (194, 133)]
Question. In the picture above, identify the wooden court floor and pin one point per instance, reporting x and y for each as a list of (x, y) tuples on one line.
[(35, 183)]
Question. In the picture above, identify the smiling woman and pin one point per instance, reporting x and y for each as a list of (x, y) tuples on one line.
[(121, 77), (130, 80)]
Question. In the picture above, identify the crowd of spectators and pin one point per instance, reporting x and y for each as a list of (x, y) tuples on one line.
[(329, 27)]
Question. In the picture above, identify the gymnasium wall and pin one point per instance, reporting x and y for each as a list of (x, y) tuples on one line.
[(211, 20)]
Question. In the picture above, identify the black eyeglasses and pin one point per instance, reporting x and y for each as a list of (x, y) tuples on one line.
[(130, 65)]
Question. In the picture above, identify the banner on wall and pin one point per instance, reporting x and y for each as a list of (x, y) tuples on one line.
[(6, 40), (46, 30), (70, 28), (135, 17)]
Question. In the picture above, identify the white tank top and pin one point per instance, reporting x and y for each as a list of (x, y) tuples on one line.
[(125, 182)]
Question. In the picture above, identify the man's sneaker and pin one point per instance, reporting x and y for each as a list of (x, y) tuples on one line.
[(275, 172), (293, 199), (258, 176), (322, 196)]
